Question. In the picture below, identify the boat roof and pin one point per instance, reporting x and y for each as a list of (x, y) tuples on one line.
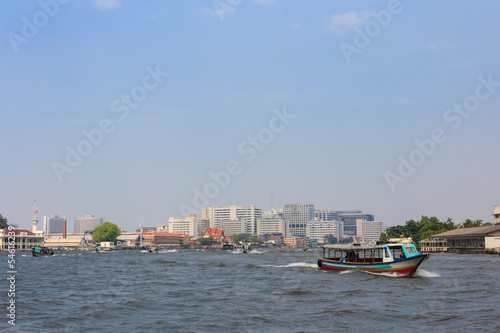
[(360, 246)]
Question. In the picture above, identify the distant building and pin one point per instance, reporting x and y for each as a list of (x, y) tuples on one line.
[(89, 222), (148, 229), (496, 215), (234, 227), (327, 215), (164, 238), (24, 239), (202, 225), (349, 219), (217, 234), (295, 241), (271, 225), (369, 230), (318, 229), (53, 223), (297, 216), (217, 214), (187, 226)]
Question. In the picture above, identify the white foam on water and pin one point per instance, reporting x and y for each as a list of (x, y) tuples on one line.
[(296, 264), (174, 250), (388, 274), (255, 251), (349, 271), (424, 273)]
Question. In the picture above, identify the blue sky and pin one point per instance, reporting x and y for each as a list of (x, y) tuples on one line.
[(233, 66)]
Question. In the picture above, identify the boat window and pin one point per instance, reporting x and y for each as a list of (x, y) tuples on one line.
[(410, 250), (387, 254)]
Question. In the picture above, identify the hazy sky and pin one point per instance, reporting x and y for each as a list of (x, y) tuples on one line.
[(130, 109)]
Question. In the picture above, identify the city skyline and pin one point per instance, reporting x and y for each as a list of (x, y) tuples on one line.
[(150, 110)]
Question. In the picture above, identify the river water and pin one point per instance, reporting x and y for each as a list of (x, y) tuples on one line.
[(263, 291)]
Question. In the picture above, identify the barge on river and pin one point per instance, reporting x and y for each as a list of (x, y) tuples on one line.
[(380, 258)]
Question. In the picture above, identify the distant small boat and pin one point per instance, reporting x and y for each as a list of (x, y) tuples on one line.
[(153, 250), (381, 258), (305, 248), (97, 249), (41, 252)]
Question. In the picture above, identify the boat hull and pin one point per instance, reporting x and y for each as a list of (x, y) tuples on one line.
[(406, 266)]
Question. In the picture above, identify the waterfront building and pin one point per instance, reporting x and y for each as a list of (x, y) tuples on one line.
[(218, 235), (349, 219), (86, 223), (217, 214), (24, 239), (295, 241), (277, 238), (53, 223), (297, 216), (463, 238), (496, 215), (271, 224), (188, 225), (369, 230), (317, 229), (129, 239), (164, 238)]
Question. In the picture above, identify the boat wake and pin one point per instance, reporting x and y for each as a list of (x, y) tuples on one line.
[(424, 273)]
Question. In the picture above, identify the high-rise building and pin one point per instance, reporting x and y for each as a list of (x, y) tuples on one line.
[(350, 217), (369, 230), (53, 224), (230, 213), (89, 222), (271, 224), (188, 226), (233, 227), (202, 225), (326, 215), (297, 216), (318, 229)]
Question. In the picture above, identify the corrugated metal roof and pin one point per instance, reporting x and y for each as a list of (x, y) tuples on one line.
[(476, 231)]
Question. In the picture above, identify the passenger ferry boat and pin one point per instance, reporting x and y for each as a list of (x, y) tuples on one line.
[(380, 258)]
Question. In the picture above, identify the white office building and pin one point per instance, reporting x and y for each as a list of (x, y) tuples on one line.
[(297, 216), (231, 213), (271, 224), (187, 226), (234, 227), (317, 229), (53, 224), (89, 222), (369, 230)]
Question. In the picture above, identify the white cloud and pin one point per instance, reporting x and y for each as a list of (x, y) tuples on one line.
[(347, 21), (106, 4)]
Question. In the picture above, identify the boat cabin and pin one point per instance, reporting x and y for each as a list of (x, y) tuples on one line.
[(369, 254)]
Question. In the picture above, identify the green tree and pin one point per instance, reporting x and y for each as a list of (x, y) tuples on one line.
[(255, 240), (106, 232), (346, 240), (383, 238), (3, 222), (471, 224), (330, 239), (207, 241), (237, 238)]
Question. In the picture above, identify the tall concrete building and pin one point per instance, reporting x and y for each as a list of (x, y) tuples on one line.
[(53, 224), (297, 216), (326, 215), (231, 213), (317, 229), (88, 222), (188, 226), (271, 224), (233, 227), (349, 219), (369, 230)]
